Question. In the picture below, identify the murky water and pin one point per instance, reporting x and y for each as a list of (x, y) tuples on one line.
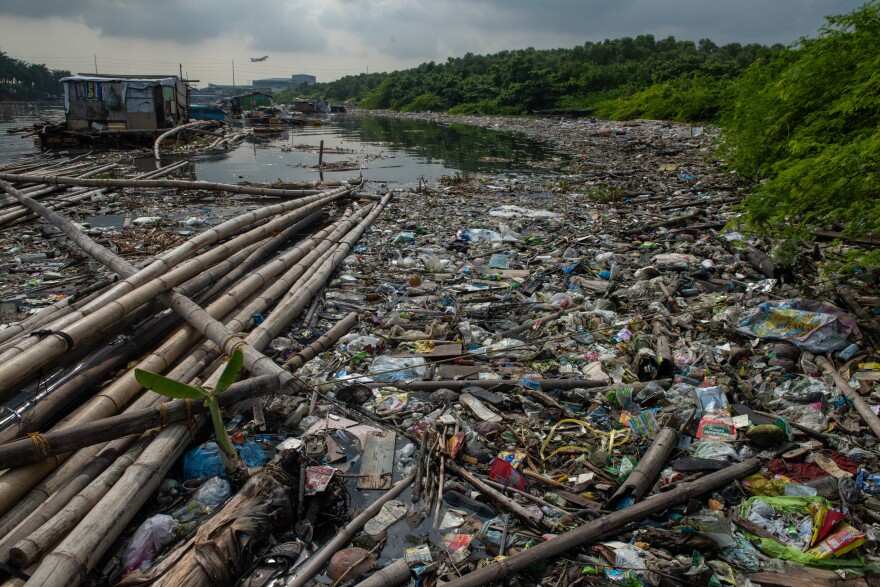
[(390, 151), (14, 115)]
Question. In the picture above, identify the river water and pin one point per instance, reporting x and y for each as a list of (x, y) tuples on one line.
[(391, 151)]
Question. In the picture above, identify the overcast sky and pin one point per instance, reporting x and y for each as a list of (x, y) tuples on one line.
[(332, 38)]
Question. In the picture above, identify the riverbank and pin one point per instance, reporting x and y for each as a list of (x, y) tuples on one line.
[(576, 360)]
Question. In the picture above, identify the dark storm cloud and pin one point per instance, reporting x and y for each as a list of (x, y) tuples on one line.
[(275, 25), (431, 29)]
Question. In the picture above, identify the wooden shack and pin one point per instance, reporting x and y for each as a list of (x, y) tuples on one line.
[(124, 102)]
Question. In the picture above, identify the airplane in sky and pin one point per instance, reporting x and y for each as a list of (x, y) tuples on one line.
[(263, 58)]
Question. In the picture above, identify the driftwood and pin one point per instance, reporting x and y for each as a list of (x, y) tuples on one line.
[(397, 573), (862, 407), (317, 561), (222, 548), (640, 481), (502, 500), (499, 570)]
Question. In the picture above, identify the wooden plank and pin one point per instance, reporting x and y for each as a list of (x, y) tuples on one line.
[(377, 461), (441, 351), (447, 371), (804, 577), (478, 408)]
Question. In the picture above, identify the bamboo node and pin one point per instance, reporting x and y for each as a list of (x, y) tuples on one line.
[(41, 444), (164, 414), (188, 411)]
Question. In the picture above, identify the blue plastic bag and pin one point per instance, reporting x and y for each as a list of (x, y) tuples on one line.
[(251, 453), (203, 462)]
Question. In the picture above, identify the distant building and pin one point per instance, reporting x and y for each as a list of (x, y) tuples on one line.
[(303, 78), (279, 84)]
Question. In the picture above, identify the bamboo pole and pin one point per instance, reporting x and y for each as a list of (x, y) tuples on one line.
[(862, 408), (317, 561), (175, 256), (29, 550), (639, 482), (499, 570), (172, 132), (124, 388), (92, 536), (393, 575), (80, 550), (321, 344), (19, 364), (154, 183), (74, 197), (87, 375), (53, 503), (24, 451), (23, 490), (121, 391), (502, 500)]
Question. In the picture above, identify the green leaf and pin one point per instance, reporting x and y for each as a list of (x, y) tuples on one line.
[(230, 373), (167, 387)]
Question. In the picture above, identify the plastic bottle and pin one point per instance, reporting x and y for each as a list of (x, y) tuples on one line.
[(824, 486)]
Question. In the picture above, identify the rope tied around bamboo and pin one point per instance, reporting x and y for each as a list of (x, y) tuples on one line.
[(41, 445)]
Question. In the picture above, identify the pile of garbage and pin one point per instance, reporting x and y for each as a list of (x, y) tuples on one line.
[(558, 378)]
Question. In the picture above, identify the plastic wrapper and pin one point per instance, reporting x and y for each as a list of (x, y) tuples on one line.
[(711, 524), (869, 482), (842, 539), (710, 399), (148, 540), (706, 448), (742, 555), (393, 369), (475, 235), (809, 325)]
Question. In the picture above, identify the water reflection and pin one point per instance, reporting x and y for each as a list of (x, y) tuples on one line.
[(395, 151)]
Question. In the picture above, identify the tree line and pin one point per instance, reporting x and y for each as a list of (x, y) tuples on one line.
[(20, 80), (801, 121)]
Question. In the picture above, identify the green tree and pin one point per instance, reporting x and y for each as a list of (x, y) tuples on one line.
[(806, 124)]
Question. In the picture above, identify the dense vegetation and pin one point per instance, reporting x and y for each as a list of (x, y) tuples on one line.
[(806, 124), (22, 80), (588, 77), (802, 121)]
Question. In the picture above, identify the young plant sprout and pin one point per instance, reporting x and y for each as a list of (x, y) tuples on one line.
[(177, 390)]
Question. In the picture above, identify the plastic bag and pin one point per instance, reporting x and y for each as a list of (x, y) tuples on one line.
[(213, 492), (251, 453), (809, 325), (148, 540), (203, 462), (706, 448), (477, 235), (711, 524), (393, 369)]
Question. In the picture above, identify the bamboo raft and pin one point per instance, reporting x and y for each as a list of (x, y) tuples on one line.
[(84, 455)]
